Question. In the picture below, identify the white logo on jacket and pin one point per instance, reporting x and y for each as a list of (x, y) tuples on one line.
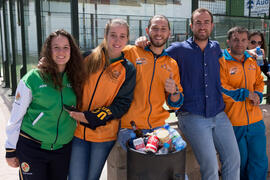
[(42, 86), (233, 70), (140, 61)]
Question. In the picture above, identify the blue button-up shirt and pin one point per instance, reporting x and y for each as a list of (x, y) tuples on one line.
[(200, 76)]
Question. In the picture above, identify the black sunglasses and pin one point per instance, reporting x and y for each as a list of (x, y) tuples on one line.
[(255, 42)]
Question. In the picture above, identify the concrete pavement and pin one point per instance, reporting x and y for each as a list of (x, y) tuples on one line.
[(6, 172)]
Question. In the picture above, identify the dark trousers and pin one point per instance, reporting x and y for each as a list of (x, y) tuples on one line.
[(40, 164)]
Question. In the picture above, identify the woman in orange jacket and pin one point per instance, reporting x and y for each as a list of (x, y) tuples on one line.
[(107, 95)]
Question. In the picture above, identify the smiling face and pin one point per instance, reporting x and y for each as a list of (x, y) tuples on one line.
[(60, 48), (158, 32), (202, 26), (117, 39)]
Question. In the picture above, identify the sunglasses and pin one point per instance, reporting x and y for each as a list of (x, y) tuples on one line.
[(255, 42)]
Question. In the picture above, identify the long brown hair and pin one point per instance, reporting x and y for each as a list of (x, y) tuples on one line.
[(74, 67), (94, 60)]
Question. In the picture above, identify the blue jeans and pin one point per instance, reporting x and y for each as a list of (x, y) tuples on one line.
[(88, 158), (208, 135), (251, 140)]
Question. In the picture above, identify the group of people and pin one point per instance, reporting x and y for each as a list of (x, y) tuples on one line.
[(215, 95)]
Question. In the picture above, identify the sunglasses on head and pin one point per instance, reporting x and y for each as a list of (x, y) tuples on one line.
[(255, 42)]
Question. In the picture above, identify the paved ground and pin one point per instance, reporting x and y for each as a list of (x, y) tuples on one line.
[(6, 172)]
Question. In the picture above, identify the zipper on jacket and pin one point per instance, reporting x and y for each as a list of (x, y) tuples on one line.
[(91, 100), (155, 60), (58, 121), (245, 87)]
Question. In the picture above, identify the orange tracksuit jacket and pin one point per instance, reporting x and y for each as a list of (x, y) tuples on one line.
[(112, 88), (149, 96), (238, 78)]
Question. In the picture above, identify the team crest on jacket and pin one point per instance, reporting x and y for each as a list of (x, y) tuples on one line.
[(140, 60), (115, 74), (25, 167), (18, 96), (251, 67), (233, 70), (166, 67)]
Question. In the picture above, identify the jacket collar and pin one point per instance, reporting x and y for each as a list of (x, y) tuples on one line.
[(118, 58), (193, 43), (164, 53), (228, 57)]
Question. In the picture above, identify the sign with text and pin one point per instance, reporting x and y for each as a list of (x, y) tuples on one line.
[(257, 8)]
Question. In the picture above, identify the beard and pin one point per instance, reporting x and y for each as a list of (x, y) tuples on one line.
[(158, 44), (199, 37), (237, 52)]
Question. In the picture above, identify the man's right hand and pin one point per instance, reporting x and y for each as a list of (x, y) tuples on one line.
[(13, 162), (255, 99), (142, 42)]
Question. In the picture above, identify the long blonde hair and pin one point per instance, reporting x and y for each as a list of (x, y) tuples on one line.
[(94, 60)]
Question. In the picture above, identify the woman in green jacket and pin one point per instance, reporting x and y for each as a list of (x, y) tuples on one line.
[(39, 132)]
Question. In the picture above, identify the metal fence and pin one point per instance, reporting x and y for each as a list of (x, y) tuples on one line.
[(92, 28), (25, 24), (236, 8)]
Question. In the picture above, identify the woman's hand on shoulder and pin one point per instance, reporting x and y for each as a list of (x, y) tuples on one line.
[(253, 53)]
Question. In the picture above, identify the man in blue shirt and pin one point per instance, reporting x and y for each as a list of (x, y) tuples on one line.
[(202, 118)]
